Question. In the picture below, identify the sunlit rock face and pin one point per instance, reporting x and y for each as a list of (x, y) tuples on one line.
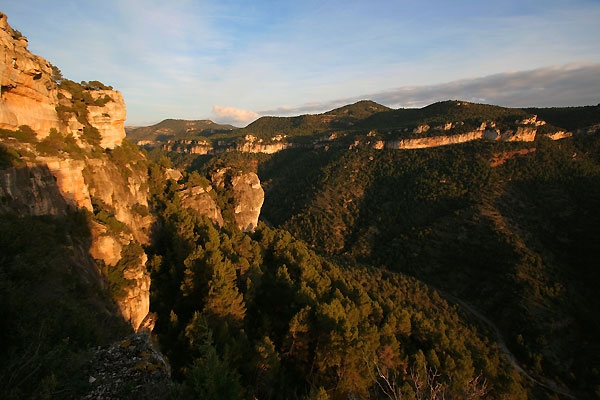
[(252, 144), (69, 179), (522, 134), (124, 194), (433, 141), (135, 305), (109, 119), (60, 183), (559, 135), (249, 197), (28, 96), (245, 189), (105, 247), (199, 198)]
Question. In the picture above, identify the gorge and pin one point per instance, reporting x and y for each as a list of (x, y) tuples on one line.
[(365, 252)]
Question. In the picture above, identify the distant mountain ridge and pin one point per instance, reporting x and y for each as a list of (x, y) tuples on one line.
[(366, 123), (173, 129)]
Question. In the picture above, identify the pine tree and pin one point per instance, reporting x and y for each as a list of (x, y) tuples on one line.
[(224, 300)]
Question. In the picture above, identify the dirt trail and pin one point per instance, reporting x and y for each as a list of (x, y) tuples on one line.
[(547, 384)]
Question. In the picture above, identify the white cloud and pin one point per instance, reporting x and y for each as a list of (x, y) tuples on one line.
[(232, 115), (556, 86)]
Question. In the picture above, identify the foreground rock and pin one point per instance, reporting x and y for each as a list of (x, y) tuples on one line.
[(129, 369)]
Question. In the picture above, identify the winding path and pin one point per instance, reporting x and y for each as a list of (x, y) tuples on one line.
[(547, 384)]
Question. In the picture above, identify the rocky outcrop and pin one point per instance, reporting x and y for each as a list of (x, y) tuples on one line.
[(60, 179), (200, 199), (249, 197), (105, 246), (185, 146), (135, 304), (28, 96), (252, 144), (487, 131), (125, 191), (69, 179), (559, 135), (433, 141), (243, 188), (109, 118), (129, 369), (523, 134)]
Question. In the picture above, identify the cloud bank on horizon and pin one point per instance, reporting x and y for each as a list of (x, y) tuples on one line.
[(235, 60), (569, 85)]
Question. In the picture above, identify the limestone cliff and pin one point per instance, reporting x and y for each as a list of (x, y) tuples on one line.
[(109, 118), (30, 190), (249, 197), (116, 201), (252, 144), (199, 198), (233, 187), (184, 146), (72, 157), (487, 131), (30, 95)]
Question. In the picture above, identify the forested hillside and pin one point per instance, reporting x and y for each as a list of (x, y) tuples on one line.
[(262, 315), (491, 245), (510, 228)]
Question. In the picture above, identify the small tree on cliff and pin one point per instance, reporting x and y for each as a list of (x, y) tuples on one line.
[(57, 75)]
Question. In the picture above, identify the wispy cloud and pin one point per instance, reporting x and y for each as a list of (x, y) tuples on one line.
[(178, 59), (232, 115), (556, 86)]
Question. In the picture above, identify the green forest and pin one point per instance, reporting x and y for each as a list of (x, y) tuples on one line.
[(363, 278), (456, 272)]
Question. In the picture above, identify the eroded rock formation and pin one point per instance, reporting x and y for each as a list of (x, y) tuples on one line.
[(249, 197), (243, 188), (109, 119), (55, 179), (31, 191), (199, 198), (28, 96)]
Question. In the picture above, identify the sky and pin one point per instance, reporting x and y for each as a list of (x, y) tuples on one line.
[(233, 61)]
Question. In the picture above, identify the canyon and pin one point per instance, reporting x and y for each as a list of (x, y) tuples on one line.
[(99, 174)]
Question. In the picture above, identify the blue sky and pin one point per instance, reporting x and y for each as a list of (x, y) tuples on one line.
[(232, 61)]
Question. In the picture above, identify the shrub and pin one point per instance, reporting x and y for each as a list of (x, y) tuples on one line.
[(24, 134)]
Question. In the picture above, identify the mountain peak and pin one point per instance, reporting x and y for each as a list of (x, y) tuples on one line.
[(361, 109)]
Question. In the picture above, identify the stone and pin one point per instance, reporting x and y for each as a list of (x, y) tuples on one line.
[(249, 197), (108, 119), (128, 369), (199, 199), (28, 96)]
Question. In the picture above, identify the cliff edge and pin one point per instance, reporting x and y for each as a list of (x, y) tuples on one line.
[(62, 152), (32, 94)]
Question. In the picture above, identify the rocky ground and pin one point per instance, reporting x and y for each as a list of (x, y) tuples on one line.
[(128, 369)]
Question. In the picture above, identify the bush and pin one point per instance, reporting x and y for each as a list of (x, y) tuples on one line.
[(55, 143), (24, 134)]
